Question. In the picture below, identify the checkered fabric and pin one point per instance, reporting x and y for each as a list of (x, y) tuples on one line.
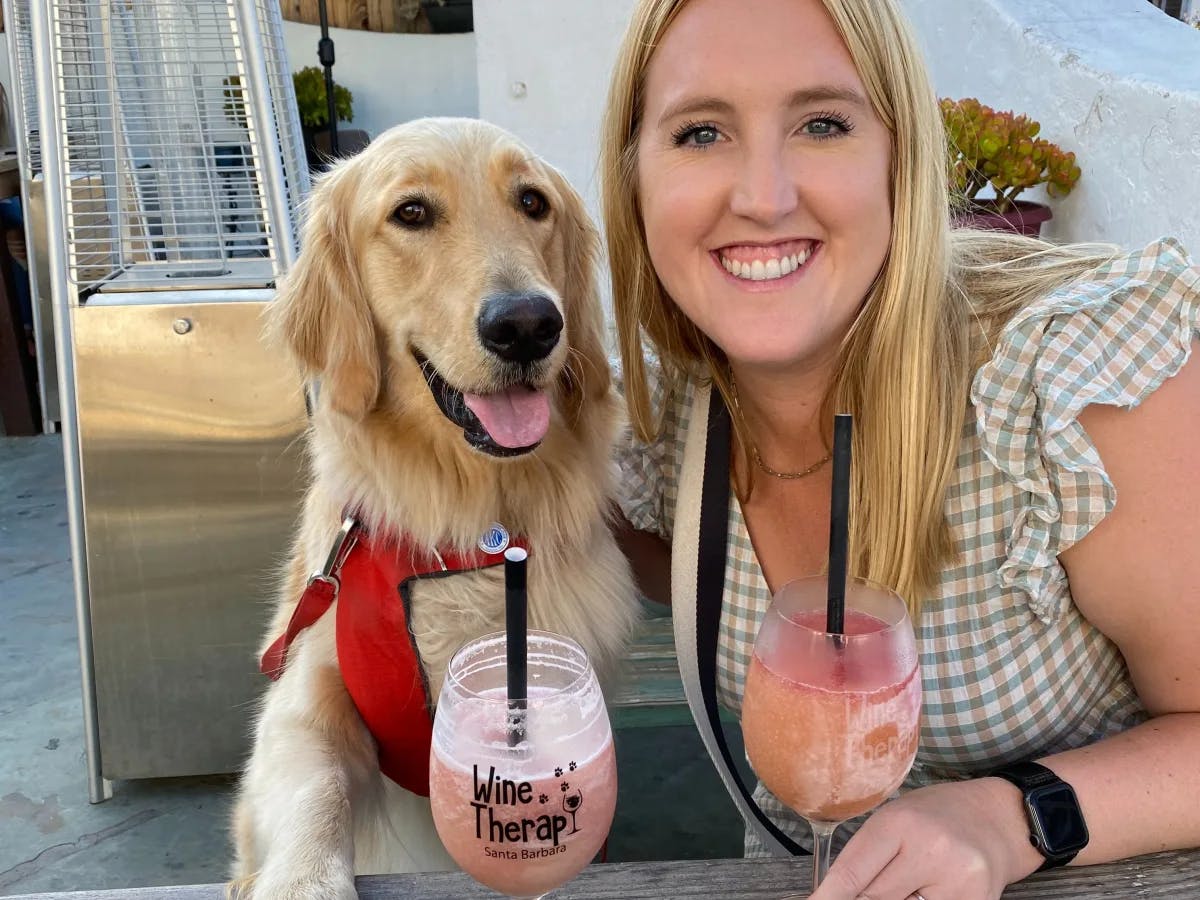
[(1010, 668)]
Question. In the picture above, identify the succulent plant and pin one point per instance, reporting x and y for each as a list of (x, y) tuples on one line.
[(1003, 150), (310, 98)]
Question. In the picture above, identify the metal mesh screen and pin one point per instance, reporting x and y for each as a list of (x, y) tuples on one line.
[(162, 156), (21, 64), (287, 115)]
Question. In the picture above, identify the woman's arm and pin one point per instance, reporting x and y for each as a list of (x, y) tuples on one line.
[(1136, 577), (650, 557)]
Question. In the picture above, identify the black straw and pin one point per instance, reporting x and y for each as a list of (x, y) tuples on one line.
[(516, 605), (839, 524)]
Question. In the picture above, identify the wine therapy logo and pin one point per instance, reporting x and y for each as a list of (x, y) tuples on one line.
[(509, 812)]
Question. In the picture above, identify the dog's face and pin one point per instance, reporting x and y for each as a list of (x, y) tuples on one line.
[(448, 269)]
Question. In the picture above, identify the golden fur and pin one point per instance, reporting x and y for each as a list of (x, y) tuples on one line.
[(366, 293)]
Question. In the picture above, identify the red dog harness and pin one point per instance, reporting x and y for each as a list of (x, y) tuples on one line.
[(377, 652)]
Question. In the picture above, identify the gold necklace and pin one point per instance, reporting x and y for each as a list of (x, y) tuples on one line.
[(758, 460)]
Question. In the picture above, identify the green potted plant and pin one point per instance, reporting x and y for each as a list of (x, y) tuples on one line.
[(313, 106), (1002, 150)]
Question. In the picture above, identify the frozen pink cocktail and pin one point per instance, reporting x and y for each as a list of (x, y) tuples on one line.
[(526, 818), (831, 746), (831, 720)]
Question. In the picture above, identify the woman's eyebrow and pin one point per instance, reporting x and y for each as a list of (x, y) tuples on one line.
[(803, 97), (691, 106), (824, 93)]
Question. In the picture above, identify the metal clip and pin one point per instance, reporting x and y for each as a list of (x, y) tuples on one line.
[(347, 537)]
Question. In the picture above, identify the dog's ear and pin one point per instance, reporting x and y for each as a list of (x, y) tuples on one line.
[(587, 376), (321, 309)]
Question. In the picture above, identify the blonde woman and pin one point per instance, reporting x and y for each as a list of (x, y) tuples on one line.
[(776, 210)]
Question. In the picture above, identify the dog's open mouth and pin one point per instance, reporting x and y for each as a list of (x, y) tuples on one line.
[(509, 422)]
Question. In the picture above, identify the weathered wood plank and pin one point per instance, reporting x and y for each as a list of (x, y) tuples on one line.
[(308, 11), (649, 692), (362, 15), (293, 10), (381, 15), (1163, 875), (355, 15)]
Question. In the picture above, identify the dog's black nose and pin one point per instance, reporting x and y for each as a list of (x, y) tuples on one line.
[(520, 328)]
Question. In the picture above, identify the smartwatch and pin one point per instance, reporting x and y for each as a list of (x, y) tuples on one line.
[(1056, 826)]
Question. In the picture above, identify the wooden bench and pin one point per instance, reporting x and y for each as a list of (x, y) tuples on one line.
[(649, 692), (1165, 875)]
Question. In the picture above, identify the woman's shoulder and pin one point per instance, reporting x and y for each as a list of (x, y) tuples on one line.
[(1162, 276), (1111, 336), (670, 394), (649, 469)]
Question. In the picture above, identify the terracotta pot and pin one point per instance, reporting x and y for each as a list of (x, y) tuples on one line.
[(1024, 217)]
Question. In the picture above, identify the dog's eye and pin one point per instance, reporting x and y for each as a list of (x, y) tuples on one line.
[(413, 214), (534, 203)]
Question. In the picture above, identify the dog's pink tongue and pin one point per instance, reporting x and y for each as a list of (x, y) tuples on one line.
[(518, 417)]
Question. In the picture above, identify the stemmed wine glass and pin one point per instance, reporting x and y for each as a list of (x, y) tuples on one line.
[(509, 806), (830, 720)]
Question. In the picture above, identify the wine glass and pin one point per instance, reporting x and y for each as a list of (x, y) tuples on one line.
[(509, 806), (830, 721)]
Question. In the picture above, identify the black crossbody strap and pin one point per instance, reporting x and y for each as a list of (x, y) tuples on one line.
[(710, 590)]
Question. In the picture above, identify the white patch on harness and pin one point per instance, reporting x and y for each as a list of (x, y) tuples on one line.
[(495, 539)]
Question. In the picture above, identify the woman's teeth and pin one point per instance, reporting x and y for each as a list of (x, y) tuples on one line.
[(766, 269)]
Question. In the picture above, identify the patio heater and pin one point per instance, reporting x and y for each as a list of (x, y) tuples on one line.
[(173, 170), (23, 102)]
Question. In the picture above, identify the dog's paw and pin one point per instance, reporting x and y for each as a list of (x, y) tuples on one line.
[(311, 887)]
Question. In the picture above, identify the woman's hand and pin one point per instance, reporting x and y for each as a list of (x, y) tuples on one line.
[(957, 841)]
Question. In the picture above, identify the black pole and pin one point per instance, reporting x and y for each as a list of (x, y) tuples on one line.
[(325, 54)]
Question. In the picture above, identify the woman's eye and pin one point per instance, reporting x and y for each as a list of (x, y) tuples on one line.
[(826, 126), (696, 136), (412, 214)]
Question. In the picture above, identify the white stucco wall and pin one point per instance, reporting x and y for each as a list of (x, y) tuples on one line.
[(394, 77), (562, 52), (1117, 81)]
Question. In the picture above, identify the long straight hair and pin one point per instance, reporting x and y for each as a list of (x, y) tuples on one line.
[(928, 321)]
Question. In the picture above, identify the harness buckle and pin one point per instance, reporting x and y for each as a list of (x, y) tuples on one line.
[(347, 537)]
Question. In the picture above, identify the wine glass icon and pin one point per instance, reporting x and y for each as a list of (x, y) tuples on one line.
[(572, 800)]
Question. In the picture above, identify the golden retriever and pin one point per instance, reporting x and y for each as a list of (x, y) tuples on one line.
[(445, 299)]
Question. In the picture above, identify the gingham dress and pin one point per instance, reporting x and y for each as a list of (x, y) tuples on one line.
[(1010, 668)]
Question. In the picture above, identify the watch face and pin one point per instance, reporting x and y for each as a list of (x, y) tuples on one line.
[(1059, 820)]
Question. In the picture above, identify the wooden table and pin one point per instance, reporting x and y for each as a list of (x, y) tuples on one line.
[(1166, 875)]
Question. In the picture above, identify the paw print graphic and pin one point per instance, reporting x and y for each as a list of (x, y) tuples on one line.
[(565, 787), (572, 767), (543, 798), (558, 772)]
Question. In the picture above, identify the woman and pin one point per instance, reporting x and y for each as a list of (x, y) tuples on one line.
[(777, 216)]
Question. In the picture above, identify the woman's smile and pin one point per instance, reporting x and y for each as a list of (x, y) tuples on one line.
[(758, 267)]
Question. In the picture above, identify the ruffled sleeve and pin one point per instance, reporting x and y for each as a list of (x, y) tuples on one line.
[(1112, 339), (648, 471)]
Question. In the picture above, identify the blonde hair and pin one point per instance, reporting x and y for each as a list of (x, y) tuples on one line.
[(927, 323)]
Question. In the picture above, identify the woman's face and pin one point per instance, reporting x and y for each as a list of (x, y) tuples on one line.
[(763, 177)]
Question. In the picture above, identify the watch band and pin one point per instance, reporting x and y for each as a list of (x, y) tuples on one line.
[(1028, 777)]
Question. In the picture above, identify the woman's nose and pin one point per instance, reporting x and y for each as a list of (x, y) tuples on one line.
[(764, 191)]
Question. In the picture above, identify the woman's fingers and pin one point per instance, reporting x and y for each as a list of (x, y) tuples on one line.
[(859, 863), (938, 842)]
